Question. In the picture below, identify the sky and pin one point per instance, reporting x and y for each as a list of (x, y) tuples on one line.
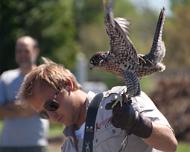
[(153, 4)]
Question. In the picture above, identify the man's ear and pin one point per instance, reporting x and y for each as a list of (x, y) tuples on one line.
[(69, 86)]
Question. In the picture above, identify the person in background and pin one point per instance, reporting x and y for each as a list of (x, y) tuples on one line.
[(63, 100), (23, 129)]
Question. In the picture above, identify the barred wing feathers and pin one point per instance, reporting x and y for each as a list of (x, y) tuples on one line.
[(117, 30)]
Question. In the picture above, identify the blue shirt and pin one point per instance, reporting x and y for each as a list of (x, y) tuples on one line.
[(19, 131)]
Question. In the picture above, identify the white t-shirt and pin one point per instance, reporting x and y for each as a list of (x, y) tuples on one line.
[(107, 138)]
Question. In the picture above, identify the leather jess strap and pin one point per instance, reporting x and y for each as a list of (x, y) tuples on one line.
[(90, 123)]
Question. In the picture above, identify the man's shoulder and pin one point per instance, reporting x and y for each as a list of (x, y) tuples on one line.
[(143, 98), (10, 74)]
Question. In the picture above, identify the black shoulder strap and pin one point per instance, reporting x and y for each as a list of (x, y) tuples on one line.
[(90, 123)]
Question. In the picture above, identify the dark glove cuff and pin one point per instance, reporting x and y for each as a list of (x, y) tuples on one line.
[(142, 127)]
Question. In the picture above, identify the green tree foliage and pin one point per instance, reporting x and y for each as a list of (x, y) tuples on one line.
[(49, 21), (143, 28), (177, 37), (87, 10), (176, 3)]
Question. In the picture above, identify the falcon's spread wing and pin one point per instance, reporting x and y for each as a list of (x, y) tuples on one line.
[(157, 51), (117, 30)]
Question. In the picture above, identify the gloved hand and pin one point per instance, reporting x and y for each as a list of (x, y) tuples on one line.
[(125, 117)]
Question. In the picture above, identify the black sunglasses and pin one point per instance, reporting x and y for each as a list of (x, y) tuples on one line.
[(49, 105)]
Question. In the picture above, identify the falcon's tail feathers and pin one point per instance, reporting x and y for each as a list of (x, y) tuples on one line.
[(157, 51)]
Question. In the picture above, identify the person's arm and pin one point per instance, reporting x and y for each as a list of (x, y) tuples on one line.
[(157, 135), (12, 110), (162, 138)]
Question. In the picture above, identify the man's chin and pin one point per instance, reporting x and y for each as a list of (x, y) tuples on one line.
[(60, 119), (25, 65)]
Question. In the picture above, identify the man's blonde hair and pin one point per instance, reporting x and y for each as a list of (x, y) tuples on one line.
[(48, 74)]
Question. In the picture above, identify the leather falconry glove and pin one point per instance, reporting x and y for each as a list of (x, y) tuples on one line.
[(125, 117)]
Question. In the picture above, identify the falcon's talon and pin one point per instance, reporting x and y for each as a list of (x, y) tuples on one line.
[(141, 57), (114, 104), (121, 103)]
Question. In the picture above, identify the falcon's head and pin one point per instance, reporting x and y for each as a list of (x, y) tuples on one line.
[(98, 59)]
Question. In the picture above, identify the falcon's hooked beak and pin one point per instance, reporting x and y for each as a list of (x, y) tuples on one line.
[(91, 66)]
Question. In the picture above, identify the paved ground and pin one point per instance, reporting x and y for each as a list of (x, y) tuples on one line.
[(54, 147), (55, 143)]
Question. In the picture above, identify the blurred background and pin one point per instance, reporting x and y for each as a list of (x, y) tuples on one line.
[(70, 31)]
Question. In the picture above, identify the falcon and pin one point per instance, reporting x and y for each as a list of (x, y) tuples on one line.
[(122, 58)]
